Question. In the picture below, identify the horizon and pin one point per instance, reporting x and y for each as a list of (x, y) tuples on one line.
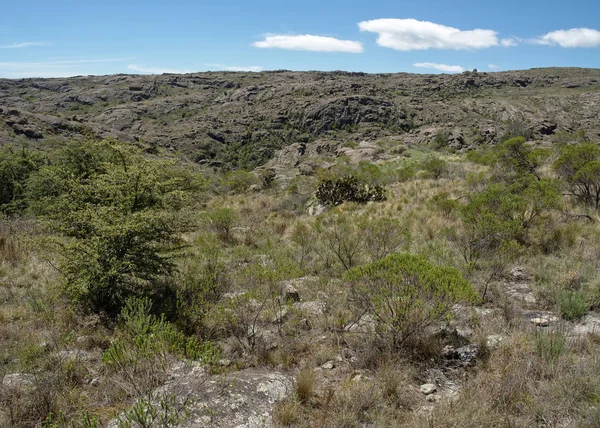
[(302, 71), (70, 39)]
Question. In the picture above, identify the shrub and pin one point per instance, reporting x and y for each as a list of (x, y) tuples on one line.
[(119, 215), (305, 384), (222, 220), (579, 166), (572, 304), (549, 346), (15, 169), (341, 238), (406, 293), (348, 189), (434, 167), (519, 157)]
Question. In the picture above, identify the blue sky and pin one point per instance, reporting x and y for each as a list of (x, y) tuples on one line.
[(43, 38)]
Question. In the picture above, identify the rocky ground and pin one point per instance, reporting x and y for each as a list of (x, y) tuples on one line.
[(241, 119)]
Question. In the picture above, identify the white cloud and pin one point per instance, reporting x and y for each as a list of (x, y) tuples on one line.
[(494, 67), (254, 68), (410, 34), (23, 45), (62, 68), (308, 42), (573, 38), (441, 67), (155, 70)]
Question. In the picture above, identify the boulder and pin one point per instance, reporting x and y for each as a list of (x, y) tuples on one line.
[(18, 381), (290, 293), (241, 399), (428, 388)]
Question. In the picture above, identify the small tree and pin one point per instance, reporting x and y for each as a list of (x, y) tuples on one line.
[(579, 166), (435, 167), (15, 168), (518, 156), (119, 217), (406, 293), (348, 189)]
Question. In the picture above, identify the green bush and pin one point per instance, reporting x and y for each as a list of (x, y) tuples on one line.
[(549, 346), (572, 304), (15, 168), (579, 166), (406, 293), (434, 167), (120, 217), (222, 220), (348, 189)]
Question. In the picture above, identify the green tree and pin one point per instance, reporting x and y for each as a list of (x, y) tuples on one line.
[(406, 293), (435, 167), (579, 166), (119, 215), (15, 168), (518, 156)]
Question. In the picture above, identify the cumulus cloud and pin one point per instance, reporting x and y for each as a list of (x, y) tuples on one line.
[(155, 70), (573, 38), (441, 67), (23, 45), (254, 68), (308, 42), (410, 34)]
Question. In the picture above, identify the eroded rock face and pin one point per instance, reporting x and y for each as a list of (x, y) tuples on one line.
[(243, 399)]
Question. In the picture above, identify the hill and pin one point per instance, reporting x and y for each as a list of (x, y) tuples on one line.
[(239, 120)]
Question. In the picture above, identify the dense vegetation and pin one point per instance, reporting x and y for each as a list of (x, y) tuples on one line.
[(116, 263)]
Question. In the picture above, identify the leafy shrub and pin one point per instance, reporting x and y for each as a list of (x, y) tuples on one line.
[(120, 217), (519, 157), (579, 166), (222, 220), (446, 205), (341, 237), (348, 189), (572, 304), (502, 213), (434, 167), (406, 293), (15, 169)]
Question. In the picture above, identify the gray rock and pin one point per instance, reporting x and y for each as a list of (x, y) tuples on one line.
[(590, 324), (315, 308), (241, 399), (328, 365), (290, 293), (544, 320), (428, 388), (366, 324), (18, 381), (493, 341), (518, 274)]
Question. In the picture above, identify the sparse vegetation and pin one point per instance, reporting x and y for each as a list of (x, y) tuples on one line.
[(361, 275)]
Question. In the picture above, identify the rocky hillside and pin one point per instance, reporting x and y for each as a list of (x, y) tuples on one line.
[(242, 119)]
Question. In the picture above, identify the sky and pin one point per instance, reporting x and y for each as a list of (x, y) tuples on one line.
[(59, 38)]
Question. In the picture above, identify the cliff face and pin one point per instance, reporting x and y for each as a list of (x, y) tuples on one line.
[(242, 119)]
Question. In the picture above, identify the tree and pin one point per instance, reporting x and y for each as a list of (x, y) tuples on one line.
[(579, 166), (518, 156), (435, 167), (348, 189), (406, 293), (15, 168), (119, 215)]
